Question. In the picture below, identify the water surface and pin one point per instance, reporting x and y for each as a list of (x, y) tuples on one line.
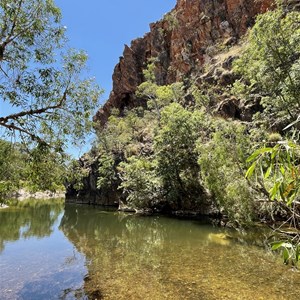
[(36, 260), (57, 251)]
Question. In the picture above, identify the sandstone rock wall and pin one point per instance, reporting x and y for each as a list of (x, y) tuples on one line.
[(181, 43)]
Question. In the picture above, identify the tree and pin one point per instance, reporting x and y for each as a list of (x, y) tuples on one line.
[(106, 171), (276, 170), (40, 78), (11, 163), (140, 181), (44, 169), (35, 169), (158, 96), (271, 65), (222, 160), (174, 148)]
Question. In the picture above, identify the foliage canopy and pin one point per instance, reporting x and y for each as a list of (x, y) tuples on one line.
[(42, 81), (271, 65)]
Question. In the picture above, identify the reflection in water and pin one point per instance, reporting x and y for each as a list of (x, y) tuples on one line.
[(132, 257), (36, 260), (29, 218), (122, 256)]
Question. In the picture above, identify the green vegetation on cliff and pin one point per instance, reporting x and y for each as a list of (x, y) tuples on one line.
[(194, 145), (271, 65), (175, 155), (179, 153)]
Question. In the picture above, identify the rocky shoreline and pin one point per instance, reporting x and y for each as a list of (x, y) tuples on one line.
[(23, 194)]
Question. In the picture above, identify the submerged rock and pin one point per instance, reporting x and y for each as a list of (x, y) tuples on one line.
[(219, 238)]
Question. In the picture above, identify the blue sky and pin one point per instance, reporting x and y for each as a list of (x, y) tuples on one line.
[(102, 28)]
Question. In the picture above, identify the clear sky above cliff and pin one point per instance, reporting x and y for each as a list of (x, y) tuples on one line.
[(103, 27)]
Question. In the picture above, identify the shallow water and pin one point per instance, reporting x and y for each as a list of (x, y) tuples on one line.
[(49, 250)]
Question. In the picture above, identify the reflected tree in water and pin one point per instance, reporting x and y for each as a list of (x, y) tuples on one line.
[(29, 219)]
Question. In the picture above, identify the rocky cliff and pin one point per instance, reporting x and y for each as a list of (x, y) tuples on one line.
[(181, 43), (198, 39)]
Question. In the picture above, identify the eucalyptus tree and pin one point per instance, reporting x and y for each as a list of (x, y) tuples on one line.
[(42, 81)]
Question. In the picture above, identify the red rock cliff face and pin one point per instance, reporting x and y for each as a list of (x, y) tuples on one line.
[(180, 43)]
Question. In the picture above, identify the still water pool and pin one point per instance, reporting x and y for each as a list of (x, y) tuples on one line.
[(49, 250)]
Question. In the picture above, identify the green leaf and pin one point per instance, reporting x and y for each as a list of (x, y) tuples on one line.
[(282, 191), (277, 245), (258, 152), (286, 255), (267, 174), (274, 190), (298, 253), (250, 170), (291, 198), (274, 153)]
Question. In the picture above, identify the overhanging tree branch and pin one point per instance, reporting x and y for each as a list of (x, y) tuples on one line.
[(4, 120), (12, 126), (32, 39)]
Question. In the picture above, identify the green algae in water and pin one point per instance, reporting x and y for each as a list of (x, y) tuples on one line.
[(90, 253)]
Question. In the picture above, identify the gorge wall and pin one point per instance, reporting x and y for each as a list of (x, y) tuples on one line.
[(181, 43)]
